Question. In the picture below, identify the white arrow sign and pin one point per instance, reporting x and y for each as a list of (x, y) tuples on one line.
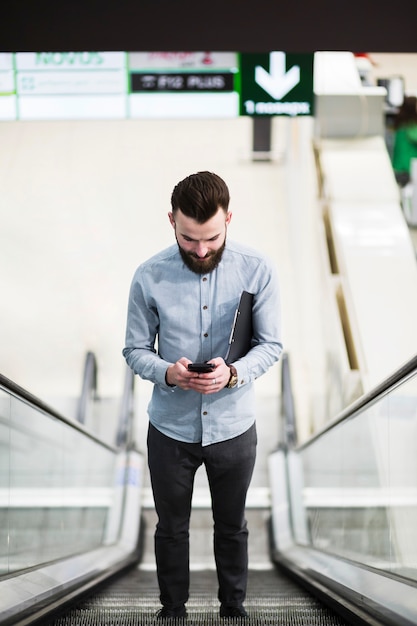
[(277, 82)]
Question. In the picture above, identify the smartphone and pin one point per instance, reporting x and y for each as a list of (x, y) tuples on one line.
[(201, 368)]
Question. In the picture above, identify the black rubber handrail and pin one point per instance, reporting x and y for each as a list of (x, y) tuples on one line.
[(289, 434), (124, 434), (387, 385), (15, 390), (89, 386), (19, 392)]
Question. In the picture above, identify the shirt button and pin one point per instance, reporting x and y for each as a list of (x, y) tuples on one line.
[(205, 278), (204, 412), (205, 308), (205, 334)]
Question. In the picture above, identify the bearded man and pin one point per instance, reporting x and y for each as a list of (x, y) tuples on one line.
[(182, 303)]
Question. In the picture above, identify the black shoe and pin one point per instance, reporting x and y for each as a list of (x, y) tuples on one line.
[(232, 611), (165, 613)]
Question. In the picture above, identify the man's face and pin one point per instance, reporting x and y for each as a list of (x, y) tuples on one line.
[(201, 245)]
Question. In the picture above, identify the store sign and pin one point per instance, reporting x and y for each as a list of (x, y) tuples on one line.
[(69, 61), (182, 71), (70, 85), (70, 73), (179, 61), (186, 81), (276, 83), (116, 85)]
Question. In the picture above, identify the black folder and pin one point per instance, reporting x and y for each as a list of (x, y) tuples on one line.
[(240, 341)]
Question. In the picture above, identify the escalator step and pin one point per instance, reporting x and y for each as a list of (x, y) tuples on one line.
[(132, 600)]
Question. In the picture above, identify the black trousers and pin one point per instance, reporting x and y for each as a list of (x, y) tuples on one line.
[(229, 466)]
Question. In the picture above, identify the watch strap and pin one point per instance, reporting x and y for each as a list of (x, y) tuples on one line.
[(232, 382)]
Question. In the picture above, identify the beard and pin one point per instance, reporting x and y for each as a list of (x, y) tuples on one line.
[(205, 266)]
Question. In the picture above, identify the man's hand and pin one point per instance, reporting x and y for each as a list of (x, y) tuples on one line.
[(178, 375)]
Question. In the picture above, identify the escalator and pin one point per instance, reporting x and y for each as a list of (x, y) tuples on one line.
[(132, 599), (339, 528)]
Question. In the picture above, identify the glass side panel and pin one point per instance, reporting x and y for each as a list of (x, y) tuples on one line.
[(356, 486), (4, 479), (58, 489)]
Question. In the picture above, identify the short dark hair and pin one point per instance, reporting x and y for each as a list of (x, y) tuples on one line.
[(200, 195)]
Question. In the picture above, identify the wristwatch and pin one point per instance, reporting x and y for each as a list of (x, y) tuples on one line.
[(233, 378)]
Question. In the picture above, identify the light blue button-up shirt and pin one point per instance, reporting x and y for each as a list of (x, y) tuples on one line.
[(174, 312)]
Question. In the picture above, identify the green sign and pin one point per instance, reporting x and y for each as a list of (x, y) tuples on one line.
[(276, 83)]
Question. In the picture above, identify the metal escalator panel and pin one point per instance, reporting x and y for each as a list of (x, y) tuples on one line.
[(345, 502), (133, 600)]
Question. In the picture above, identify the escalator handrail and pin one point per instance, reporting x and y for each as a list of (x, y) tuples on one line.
[(15, 390), (124, 434), (289, 434), (388, 384), (89, 386)]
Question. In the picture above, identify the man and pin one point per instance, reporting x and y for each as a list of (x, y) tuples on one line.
[(184, 299)]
